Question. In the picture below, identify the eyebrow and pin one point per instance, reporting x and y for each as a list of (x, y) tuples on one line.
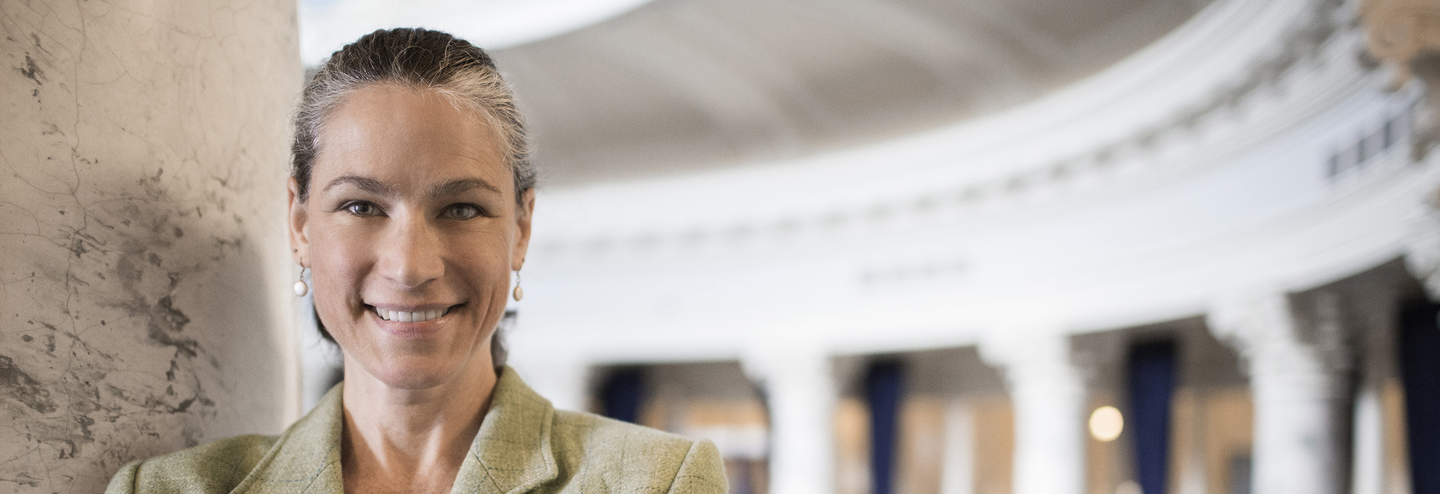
[(453, 187), (368, 185)]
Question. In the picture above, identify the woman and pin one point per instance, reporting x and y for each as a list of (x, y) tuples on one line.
[(410, 203)]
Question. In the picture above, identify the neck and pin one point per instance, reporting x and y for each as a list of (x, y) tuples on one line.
[(411, 440)]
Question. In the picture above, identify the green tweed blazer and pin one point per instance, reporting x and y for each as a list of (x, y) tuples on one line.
[(524, 445)]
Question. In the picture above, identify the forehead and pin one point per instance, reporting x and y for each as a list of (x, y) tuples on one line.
[(398, 134)]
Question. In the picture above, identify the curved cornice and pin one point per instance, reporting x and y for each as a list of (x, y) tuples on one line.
[(1282, 166), (1162, 110)]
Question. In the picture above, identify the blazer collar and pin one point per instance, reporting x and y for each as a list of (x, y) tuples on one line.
[(306, 459), (511, 453)]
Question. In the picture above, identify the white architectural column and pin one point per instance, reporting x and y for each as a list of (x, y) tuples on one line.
[(1047, 393), (1299, 392), (801, 392), (1369, 467), (1377, 307), (958, 475)]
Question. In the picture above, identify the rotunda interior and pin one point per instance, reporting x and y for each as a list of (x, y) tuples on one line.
[(863, 246)]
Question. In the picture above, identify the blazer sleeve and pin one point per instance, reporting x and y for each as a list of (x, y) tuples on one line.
[(702, 472)]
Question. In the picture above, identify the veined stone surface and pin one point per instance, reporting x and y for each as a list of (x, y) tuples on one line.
[(143, 266)]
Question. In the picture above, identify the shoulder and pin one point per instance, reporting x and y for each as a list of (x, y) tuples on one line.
[(594, 430), (217, 466), (631, 458), (303, 455)]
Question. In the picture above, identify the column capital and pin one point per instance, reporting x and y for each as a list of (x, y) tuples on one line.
[(1266, 327), (765, 362), (1248, 316), (1024, 345)]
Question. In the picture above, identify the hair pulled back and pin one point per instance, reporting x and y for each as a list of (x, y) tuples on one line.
[(419, 59)]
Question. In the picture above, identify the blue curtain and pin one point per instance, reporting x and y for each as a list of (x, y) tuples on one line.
[(1152, 382), (1420, 369), (623, 394), (884, 390)]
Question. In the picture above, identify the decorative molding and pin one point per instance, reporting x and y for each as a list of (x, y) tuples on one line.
[(1401, 33), (1327, 21), (1405, 35), (1375, 142), (932, 270)]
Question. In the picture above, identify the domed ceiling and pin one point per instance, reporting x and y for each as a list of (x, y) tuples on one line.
[(679, 86), (621, 89)]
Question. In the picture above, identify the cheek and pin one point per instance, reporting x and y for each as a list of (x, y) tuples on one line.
[(492, 264), (481, 252), (336, 267)]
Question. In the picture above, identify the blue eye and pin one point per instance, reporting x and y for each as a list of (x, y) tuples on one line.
[(359, 208), (461, 212)]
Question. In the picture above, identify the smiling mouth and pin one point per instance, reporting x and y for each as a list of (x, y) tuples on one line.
[(402, 316)]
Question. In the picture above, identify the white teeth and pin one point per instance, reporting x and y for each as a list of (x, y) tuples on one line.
[(392, 315)]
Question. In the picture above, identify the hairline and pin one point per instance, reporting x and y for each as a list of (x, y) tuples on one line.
[(458, 101)]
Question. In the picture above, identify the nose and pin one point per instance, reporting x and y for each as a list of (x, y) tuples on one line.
[(410, 252)]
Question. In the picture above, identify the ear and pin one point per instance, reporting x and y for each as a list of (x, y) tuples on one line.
[(299, 235), (522, 225)]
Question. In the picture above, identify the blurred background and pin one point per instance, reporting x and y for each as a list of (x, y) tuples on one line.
[(864, 246)]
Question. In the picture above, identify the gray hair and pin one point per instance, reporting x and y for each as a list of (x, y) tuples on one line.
[(419, 59)]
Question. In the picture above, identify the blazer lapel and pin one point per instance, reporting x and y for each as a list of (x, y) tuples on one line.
[(306, 459), (511, 453)]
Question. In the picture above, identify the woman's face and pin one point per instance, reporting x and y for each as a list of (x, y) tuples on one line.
[(411, 210)]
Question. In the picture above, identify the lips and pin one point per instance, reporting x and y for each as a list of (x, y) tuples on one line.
[(410, 316)]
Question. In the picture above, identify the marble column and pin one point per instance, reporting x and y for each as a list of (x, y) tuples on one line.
[(1300, 390), (801, 392), (958, 474), (1047, 392), (144, 279), (1373, 307)]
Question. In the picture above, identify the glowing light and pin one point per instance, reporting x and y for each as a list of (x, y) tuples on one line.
[(1106, 424)]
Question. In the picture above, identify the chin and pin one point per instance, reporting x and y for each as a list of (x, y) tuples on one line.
[(410, 374), (423, 372), (414, 380)]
